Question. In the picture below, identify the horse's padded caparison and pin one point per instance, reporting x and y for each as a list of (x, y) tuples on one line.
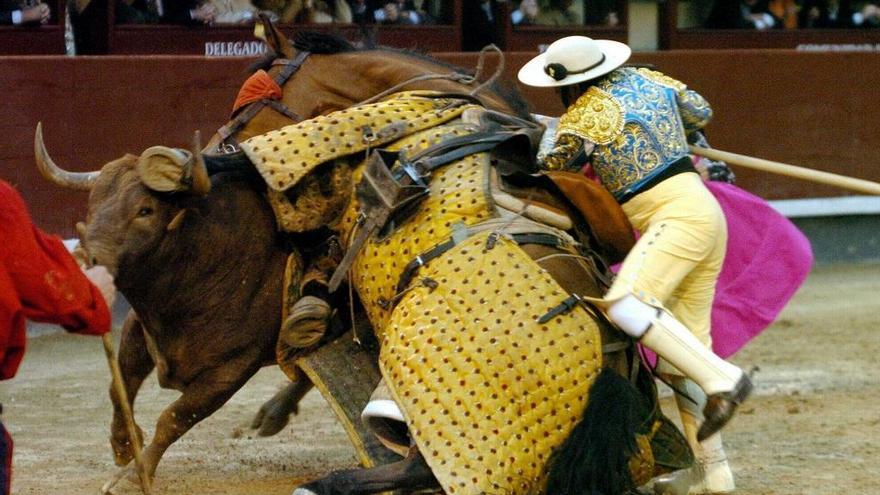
[(487, 391)]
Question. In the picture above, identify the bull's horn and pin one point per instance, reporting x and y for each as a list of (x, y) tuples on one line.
[(201, 183), (82, 181)]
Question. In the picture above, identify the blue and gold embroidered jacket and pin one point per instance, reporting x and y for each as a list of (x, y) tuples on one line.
[(638, 120)]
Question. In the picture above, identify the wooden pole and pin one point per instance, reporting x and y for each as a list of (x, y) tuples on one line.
[(851, 183), (122, 395)]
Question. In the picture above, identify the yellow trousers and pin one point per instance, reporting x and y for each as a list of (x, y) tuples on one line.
[(677, 259)]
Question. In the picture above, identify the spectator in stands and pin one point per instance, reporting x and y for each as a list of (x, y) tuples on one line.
[(479, 24), (601, 13), (398, 12), (786, 11), (742, 14), (190, 12), (11, 12), (187, 12), (40, 280), (526, 14), (559, 13), (839, 14), (427, 10), (137, 12), (362, 11)]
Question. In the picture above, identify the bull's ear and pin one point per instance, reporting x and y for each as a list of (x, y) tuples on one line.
[(162, 169), (177, 220)]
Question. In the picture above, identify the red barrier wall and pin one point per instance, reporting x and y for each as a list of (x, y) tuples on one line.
[(818, 110)]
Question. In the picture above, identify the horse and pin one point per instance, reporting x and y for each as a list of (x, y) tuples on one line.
[(306, 70), (611, 474)]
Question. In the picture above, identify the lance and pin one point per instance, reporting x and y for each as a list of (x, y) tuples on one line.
[(851, 183), (116, 378)]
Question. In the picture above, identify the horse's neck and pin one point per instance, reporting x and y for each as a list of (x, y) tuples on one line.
[(350, 78)]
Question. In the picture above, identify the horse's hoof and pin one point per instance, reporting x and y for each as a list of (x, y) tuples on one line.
[(303, 491)]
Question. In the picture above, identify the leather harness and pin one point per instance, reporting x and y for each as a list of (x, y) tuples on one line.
[(228, 143)]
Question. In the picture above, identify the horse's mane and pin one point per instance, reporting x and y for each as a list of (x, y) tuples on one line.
[(323, 43), (330, 44)]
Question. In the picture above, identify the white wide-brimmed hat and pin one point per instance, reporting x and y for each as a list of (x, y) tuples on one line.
[(574, 59)]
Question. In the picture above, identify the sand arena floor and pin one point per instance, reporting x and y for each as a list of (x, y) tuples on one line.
[(813, 426)]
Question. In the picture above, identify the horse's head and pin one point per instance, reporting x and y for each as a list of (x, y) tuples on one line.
[(320, 73)]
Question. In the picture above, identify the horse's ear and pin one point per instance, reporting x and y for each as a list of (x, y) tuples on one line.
[(274, 38)]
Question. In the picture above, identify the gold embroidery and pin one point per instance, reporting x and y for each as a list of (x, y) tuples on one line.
[(567, 148), (663, 79), (652, 138), (596, 116)]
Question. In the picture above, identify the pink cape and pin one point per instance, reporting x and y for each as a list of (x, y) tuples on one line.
[(767, 260)]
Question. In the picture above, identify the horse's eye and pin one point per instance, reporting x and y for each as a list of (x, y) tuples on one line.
[(145, 211)]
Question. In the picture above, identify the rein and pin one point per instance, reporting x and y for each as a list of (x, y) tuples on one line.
[(250, 110), (228, 144), (452, 76)]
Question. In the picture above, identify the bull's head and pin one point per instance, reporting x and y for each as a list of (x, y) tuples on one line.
[(134, 200)]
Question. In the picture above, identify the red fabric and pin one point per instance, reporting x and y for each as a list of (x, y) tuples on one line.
[(257, 87), (39, 280)]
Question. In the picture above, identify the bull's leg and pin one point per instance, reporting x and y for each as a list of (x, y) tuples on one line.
[(275, 413), (135, 364), (198, 400), (410, 474)]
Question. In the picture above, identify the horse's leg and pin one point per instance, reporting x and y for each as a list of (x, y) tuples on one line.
[(411, 474), (275, 413), (135, 365)]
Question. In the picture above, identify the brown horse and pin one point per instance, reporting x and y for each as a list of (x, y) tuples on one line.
[(322, 92), (176, 336), (321, 73)]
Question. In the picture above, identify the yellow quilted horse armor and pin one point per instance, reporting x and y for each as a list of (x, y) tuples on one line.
[(487, 391)]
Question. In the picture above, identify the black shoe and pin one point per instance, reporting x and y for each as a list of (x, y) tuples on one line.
[(721, 406)]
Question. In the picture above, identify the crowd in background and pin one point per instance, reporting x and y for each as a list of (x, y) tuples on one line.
[(402, 12), (478, 14), (792, 14)]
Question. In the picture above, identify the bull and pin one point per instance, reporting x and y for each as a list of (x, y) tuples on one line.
[(203, 274)]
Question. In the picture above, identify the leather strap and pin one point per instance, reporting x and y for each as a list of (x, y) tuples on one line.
[(237, 123), (412, 268)]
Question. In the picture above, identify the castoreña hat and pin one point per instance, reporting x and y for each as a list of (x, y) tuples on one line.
[(574, 59)]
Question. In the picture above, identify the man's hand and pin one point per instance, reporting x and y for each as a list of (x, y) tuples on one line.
[(206, 13), (38, 13), (102, 279)]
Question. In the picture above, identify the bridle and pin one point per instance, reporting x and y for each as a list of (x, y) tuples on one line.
[(228, 143)]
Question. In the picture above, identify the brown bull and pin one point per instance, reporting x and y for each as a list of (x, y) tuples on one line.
[(202, 272)]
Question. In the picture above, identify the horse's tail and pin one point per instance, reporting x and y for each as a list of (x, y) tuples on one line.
[(594, 459)]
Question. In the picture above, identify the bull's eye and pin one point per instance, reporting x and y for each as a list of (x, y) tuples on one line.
[(145, 211)]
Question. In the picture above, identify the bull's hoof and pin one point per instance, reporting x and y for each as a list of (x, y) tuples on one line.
[(272, 417), (122, 452), (275, 413), (125, 480), (272, 424)]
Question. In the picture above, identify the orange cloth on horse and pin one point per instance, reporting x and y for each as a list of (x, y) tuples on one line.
[(41, 281), (260, 85)]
